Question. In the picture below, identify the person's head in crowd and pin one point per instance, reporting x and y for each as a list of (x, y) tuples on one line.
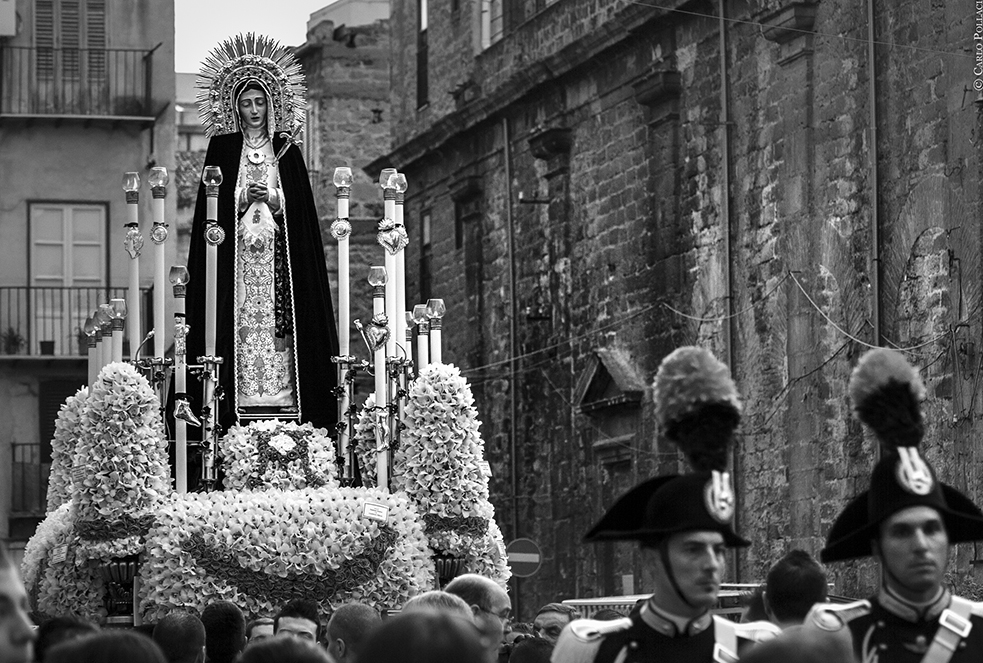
[(532, 650), (607, 615), (347, 629), (551, 619), (59, 629), (284, 650), (109, 646), (298, 619), (225, 631), (437, 600), (801, 646), (754, 605), (181, 636), (424, 637), (16, 628), (259, 629), (491, 606), (795, 583)]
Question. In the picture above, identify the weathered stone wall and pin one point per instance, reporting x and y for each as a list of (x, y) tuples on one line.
[(627, 240)]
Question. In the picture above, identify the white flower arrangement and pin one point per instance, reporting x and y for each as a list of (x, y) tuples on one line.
[(273, 454), (438, 466), (259, 548), (65, 583), (67, 426), (120, 468)]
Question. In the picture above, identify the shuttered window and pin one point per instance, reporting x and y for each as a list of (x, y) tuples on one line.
[(75, 30)]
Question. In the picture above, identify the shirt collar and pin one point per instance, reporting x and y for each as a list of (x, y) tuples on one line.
[(911, 611), (672, 625)]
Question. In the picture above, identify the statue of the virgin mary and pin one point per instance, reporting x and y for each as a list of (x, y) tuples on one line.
[(275, 324)]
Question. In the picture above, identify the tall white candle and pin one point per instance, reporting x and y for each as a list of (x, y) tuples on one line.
[(422, 337), (399, 314), (214, 235), (119, 319), (158, 187), (134, 245), (435, 312)]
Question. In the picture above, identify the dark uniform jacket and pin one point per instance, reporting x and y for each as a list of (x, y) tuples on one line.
[(888, 629)]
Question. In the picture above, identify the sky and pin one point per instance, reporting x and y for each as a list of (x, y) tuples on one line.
[(199, 25)]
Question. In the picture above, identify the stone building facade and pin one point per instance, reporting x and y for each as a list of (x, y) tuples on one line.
[(782, 182)]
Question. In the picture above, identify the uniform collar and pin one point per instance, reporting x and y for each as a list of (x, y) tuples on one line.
[(672, 625), (910, 611)]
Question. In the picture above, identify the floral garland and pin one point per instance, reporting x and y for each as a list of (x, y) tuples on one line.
[(65, 584), (366, 447), (249, 547), (438, 466), (67, 426), (120, 464), (279, 455), (347, 578)]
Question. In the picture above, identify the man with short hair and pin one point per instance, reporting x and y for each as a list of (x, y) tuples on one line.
[(298, 619), (795, 583), (259, 629), (16, 627), (907, 520), (684, 525), (225, 631), (490, 605), (550, 620), (437, 600), (347, 629), (181, 636)]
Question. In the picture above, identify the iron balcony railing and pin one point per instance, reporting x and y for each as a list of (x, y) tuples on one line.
[(48, 321), (39, 81)]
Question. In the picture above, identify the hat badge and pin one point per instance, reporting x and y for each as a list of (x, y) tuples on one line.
[(912, 472), (718, 497)]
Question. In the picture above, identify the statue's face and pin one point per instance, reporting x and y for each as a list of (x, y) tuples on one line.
[(252, 109)]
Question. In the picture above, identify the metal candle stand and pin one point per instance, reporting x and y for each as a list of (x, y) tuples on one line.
[(206, 371)]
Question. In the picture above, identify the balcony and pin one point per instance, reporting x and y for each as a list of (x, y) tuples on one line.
[(45, 322), (76, 83)]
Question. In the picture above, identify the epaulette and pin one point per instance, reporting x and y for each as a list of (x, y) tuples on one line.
[(757, 631), (834, 616), (591, 630)]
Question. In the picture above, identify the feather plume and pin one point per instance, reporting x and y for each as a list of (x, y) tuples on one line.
[(886, 391), (697, 406)]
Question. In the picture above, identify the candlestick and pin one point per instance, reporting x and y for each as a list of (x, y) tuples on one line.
[(389, 239), (133, 243), (92, 349), (435, 311), (422, 337), (341, 230), (118, 313), (378, 279), (214, 235), (158, 187), (408, 324), (400, 311), (179, 278), (105, 321)]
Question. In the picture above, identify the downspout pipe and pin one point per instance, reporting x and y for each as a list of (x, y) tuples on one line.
[(875, 226), (728, 227)]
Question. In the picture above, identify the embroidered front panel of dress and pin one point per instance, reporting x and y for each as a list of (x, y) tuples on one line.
[(265, 376)]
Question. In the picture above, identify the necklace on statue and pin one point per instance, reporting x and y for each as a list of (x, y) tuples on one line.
[(255, 145)]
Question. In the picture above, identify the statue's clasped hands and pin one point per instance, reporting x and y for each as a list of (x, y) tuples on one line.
[(258, 192)]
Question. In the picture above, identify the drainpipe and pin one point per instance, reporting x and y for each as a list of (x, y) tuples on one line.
[(728, 258), (875, 238), (513, 334)]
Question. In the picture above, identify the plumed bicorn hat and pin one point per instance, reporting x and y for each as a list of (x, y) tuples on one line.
[(697, 407), (886, 392)]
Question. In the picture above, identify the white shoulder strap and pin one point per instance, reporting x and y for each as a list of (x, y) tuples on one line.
[(954, 626)]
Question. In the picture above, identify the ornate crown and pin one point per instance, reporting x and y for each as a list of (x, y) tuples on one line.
[(258, 58)]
